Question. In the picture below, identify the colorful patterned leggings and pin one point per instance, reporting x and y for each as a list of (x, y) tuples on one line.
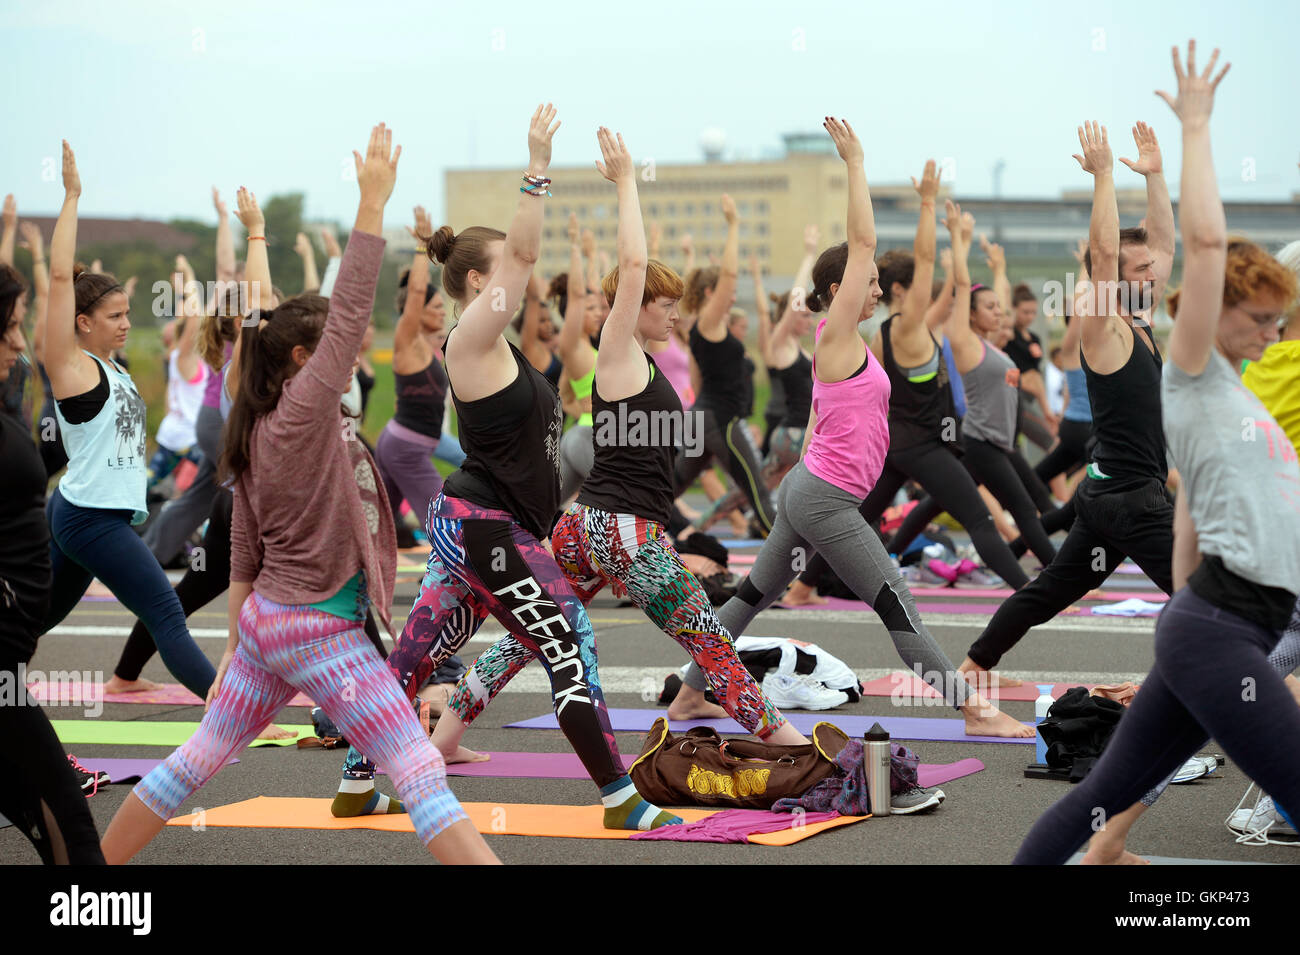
[(483, 562), (594, 547), (283, 649)]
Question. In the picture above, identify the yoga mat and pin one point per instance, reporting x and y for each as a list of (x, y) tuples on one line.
[(911, 686), (902, 727), (746, 542), (568, 766), (509, 819), (124, 770), (145, 733), (1155, 596), (171, 694)]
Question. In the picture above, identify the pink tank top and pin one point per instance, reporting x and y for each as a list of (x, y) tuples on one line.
[(851, 437), (675, 362)]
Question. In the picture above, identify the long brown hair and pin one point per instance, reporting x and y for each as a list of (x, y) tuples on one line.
[(266, 346), (459, 252)]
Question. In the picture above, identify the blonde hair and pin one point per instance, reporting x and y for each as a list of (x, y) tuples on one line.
[(660, 282)]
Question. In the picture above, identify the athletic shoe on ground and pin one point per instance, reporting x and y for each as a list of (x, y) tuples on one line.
[(919, 575), (90, 780), (915, 800), (980, 578), (1261, 824), (1194, 768), (800, 692)]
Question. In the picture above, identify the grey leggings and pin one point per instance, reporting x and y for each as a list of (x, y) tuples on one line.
[(178, 519), (1284, 658), (813, 515), (577, 457)]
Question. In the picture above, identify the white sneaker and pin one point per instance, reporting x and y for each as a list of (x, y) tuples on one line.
[(1258, 825), (800, 692), (1194, 768)]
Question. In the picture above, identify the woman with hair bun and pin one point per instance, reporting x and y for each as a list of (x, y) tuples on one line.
[(102, 420)]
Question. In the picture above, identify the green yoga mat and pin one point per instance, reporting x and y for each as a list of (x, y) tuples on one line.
[(145, 733)]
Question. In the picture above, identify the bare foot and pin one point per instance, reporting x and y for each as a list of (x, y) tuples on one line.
[(690, 704), (463, 755), (274, 732), (116, 684), (1100, 853), (987, 679), (800, 594), (985, 719), (1094, 595)]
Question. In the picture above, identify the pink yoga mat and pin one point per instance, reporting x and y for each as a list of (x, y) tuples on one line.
[(910, 686), (171, 694)]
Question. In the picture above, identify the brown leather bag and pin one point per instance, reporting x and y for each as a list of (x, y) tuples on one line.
[(700, 768)]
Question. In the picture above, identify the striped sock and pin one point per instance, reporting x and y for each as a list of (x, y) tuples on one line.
[(625, 809), (358, 797)]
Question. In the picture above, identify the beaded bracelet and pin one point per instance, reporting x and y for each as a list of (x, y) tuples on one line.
[(538, 191), (254, 238), (536, 180)]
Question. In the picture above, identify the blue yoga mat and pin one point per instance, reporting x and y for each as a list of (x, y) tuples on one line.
[(900, 727)]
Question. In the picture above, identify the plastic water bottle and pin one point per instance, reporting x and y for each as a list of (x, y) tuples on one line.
[(1041, 706), (876, 757)]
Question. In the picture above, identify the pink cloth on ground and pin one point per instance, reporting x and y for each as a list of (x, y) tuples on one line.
[(733, 825), (851, 436)]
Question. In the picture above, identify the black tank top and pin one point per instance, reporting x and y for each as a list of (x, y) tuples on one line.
[(421, 399), (636, 445), (918, 409), (1126, 418), (512, 450), (796, 380), (723, 376), (775, 410), (553, 371)]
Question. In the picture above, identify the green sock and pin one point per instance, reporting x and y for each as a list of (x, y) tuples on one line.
[(625, 809), (358, 797)]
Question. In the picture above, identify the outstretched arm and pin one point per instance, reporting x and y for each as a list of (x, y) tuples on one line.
[(257, 265), (573, 350), (1205, 230), (1160, 210), (1103, 234), (688, 250), (310, 277), (8, 227), (917, 301), (712, 319), (996, 260), (334, 258), (406, 336), (71, 372), (620, 363), (966, 346), (32, 242), (225, 242), (937, 314), (840, 349), (763, 308), (187, 356)]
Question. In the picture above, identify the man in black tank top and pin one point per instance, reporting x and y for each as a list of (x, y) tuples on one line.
[(1122, 506)]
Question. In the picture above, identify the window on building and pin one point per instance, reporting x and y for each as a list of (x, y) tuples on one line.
[(689, 209), (762, 228), (762, 207)]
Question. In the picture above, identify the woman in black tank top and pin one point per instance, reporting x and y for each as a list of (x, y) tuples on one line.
[(615, 532), (486, 526)]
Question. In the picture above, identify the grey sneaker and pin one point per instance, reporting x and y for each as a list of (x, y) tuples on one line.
[(915, 800), (919, 575), (981, 579)]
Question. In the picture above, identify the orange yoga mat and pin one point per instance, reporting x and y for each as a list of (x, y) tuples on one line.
[(511, 819)]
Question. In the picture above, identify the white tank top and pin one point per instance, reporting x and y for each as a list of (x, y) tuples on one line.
[(106, 459), (184, 399)]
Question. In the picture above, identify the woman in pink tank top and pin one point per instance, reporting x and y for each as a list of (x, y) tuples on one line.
[(845, 446)]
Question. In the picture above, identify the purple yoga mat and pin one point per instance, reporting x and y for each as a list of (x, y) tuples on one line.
[(123, 770), (901, 727)]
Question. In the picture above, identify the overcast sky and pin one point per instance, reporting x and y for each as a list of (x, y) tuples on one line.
[(163, 100)]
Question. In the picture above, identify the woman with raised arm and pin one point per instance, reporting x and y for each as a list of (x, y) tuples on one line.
[(846, 442), (615, 533), (720, 357), (187, 380), (102, 418), (298, 589), (583, 317), (487, 525), (411, 437), (1235, 570), (44, 799)]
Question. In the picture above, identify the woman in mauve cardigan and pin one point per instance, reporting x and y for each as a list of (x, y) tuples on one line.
[(312, 536)]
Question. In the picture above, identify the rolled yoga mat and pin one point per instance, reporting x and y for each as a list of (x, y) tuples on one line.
[(511, 819), (147, 733), (899, 727)]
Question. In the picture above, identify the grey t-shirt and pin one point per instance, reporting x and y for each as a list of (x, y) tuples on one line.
[(1239, 470), (992, 399)]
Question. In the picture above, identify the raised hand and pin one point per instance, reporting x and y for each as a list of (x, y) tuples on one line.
[(1096, 158), (688, 244), (377, 172), (846, 140), (729, 210), (423, 224), (32, 240), (249, 212), (71, 178), (183, 267), (967, 227), (128, 286), (331, 242), (540, 134), (995, 257), (1195, 100), (811, 238), (1080, 250), (588, 243), (1148, 162), (220, 206), (10, 215), (952, 218), (618, 161), (573, 228), (945, 259), (928, 187), (97, 266), (302, 244)]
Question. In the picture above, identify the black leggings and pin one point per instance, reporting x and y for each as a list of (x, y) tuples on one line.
[(1135, 520), (1070, 452), (994, 468), (1211, 679), (40, 794), (732, 445), (939, 471)]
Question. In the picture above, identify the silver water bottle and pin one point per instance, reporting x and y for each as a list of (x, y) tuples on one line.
[(876, 764)]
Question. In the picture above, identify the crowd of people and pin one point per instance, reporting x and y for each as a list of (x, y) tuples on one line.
[(265, 391)]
